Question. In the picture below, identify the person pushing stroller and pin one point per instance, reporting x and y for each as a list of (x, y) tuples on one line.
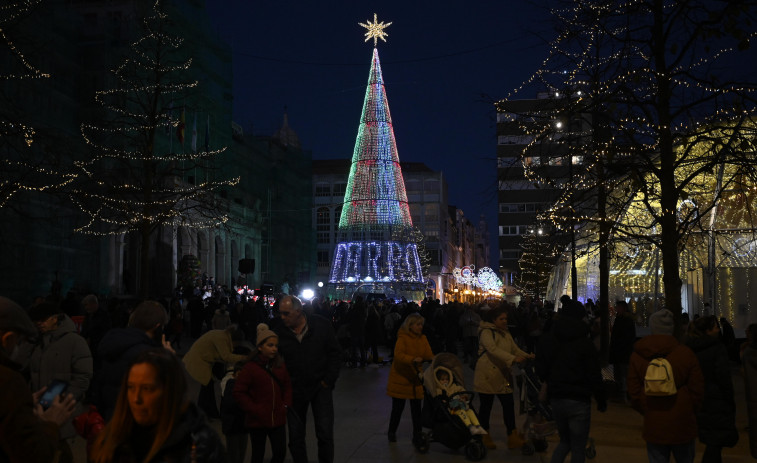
[(458, 402)]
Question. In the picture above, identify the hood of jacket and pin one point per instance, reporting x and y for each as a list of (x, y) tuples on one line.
[(408, 334), (653, 345), (484, 325), (119, 340), (568, 329), (65, 326)]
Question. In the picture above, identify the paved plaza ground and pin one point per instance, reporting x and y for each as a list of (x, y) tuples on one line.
[(362, 417)]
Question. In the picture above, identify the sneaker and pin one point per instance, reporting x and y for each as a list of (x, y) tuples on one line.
[(488, 442), (477, 430), (515, 440)]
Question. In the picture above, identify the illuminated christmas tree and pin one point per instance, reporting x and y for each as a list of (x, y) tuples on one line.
[(375, 250)]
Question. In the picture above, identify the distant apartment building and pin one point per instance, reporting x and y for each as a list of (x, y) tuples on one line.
[(521, 196)]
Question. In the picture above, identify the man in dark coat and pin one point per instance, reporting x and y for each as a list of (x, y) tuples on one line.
[(120, 346), (313, 356), (568, 362), (622, 337), (29, 434)]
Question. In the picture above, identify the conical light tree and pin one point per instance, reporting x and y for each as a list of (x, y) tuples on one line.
[(134, 179), (375, 247)]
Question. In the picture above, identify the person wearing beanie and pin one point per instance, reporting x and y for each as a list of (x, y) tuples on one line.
[(669, 423), (263, 391)]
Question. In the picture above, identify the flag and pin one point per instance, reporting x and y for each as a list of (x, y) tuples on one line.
[(207, 135), (194, 136), (180, 127), (169, 115)]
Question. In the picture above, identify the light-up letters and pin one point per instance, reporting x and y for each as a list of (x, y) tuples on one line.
[(376, 261)]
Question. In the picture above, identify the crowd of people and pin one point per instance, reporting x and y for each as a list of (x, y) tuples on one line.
[(262, 369)]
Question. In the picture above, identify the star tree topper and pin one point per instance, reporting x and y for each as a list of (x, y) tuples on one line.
[(375, 30)]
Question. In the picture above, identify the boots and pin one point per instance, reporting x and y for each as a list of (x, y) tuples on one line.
[(515, 440), (488, 442)]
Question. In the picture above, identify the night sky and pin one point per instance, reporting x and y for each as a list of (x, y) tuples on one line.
[(443, 65)]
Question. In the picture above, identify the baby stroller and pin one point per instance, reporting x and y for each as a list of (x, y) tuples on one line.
[(539, 422), (445, 426)]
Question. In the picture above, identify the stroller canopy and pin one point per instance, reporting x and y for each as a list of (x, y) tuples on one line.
[(447, 361)]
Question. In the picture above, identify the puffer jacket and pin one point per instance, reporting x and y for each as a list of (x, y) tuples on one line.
[(717, 417), (213, 346), (263, 398), (668, 420), (191, 435), (63, 355), (497, 351), (404, 382)]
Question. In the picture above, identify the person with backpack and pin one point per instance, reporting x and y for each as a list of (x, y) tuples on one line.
[(670, 424)]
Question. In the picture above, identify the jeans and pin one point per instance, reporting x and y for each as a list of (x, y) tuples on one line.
[(398, 406), (660, 453), (508, 410), (322, 403), (573, 419), (620, 372)]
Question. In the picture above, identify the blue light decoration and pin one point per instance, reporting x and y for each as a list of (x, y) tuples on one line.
[(485, 279), (375, 249)]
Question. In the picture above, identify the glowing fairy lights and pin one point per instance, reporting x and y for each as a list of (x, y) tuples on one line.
[(376, 245), (485, 278), (375, 30), (134, 178)]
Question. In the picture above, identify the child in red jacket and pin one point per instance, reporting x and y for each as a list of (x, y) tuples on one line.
[(264, 391)]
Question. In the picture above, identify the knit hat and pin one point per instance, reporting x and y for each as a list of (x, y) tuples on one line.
[(44, 311), (14, 318), (662, 322), (264, 333)]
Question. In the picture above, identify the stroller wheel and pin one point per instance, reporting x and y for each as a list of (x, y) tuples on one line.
[(540, 445), (422, 443), (591, 450), (475, 450)]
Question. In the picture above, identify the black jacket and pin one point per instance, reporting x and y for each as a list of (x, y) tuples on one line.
[(116, 350), (568, 361), (317, 358), (716, 420), (622, 338)]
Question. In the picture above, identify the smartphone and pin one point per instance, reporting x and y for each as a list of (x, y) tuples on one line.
[(54, 389)]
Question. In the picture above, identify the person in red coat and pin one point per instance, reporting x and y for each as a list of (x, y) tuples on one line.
[(411, 350), (263, 390), (670, 422)]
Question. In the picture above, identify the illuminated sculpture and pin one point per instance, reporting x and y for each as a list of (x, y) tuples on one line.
[(373, 248)]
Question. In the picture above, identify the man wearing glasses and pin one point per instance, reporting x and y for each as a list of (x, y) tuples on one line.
[(313, 356)]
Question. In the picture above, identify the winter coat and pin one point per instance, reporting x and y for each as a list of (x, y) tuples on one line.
[(717, 417), (64, 355), (263, 399), (749, 358), (95, 326), (213, 346), (314, 360), (497, 352), (25, 438), (568, 361), (403, 382), (622, 337), (668, 420), (191, 434), (116, 351)]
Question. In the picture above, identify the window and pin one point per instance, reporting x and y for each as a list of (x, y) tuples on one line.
[(431, 213), (322, 222), (413, 186), (323, 237), (512, 208), (431, 186), (337, 215), (323, 189), (511, 230), (340, 189), (322, 259), (509, 254)]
